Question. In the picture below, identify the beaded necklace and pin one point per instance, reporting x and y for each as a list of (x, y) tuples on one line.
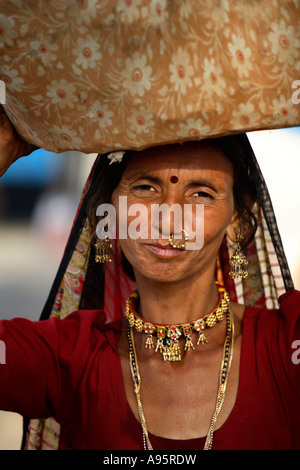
[(168, 335)]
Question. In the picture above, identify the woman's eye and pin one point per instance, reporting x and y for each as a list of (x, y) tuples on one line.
[(203, 194), (144, 187)]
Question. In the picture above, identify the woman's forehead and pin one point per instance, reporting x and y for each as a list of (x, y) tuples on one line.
[(202, 155)]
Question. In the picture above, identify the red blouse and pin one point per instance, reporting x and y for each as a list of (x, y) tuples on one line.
[(70, 369)]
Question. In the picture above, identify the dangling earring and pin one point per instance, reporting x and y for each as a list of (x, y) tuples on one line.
[(238, 260), (103, 250)]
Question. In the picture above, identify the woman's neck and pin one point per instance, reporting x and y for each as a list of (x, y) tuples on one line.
[(177, 302)]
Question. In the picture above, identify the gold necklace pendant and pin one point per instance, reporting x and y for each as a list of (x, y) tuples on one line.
[(172, 349), (149, 330)]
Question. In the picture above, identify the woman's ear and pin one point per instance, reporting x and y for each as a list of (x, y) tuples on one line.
[(233, 227)]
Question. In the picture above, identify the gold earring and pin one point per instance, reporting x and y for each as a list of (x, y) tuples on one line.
[(103, 250), (179, 247), (238, 260)]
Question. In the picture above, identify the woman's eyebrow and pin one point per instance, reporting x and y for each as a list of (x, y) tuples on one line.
[(203, 182), (146, 176)]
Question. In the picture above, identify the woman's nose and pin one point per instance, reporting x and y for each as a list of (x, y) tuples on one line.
[(167, 217)]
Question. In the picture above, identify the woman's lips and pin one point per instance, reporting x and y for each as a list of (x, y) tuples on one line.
[(165, 251)]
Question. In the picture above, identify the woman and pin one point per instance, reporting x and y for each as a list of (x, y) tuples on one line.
[(187, 368)]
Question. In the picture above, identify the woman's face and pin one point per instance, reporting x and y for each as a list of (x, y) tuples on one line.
[(191, 174)]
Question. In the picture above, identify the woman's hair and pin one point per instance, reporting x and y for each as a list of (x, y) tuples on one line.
[(237, 150), (105, 180)]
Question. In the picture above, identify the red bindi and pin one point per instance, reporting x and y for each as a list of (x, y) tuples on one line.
[(174, 179)]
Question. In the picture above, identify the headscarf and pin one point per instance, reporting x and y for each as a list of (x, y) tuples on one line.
[(76, 286)]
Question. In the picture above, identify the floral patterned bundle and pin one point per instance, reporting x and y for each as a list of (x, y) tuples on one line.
[(102, 75)]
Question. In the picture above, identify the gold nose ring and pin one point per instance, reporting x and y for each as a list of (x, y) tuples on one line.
[(179, 247)]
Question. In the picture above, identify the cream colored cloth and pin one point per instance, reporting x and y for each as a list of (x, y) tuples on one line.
[(101, 75)]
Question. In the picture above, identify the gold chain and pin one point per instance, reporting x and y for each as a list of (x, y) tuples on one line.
[(134, 367), (223, 379)]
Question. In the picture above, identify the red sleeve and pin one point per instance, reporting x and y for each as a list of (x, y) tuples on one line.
[(31, 365), (44, 360)]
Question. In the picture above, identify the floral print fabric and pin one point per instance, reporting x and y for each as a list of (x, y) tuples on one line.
[(101, 75)]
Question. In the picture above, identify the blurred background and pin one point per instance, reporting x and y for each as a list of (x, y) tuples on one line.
[(39, 196)]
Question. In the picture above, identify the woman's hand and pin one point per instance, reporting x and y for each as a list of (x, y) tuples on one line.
[(12, 146)]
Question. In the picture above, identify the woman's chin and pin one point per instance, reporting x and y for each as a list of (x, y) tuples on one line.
[(166, 267)]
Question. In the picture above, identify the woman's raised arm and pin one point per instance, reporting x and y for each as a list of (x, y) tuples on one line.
[(12, 146)]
